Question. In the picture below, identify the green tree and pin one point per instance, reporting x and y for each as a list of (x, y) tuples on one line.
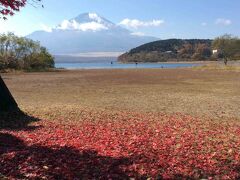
[(22, 53), (202, 52), (228, 47)]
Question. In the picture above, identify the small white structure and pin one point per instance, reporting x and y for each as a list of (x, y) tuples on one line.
[(215, 51)]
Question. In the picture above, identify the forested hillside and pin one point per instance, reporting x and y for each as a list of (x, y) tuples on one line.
[(170, 50)]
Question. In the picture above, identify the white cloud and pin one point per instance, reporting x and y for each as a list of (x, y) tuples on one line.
[(46, 28), (203, 24), (138, 34), (95, 17), (74, 25), (224, 22), (135, 23)]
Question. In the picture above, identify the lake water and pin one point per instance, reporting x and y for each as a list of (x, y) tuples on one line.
[(115, 65)]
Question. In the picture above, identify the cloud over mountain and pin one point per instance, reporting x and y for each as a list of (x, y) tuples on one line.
[(74, 25)]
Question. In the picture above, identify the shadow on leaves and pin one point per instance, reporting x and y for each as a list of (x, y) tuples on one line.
[(19, 161), (16, 120)]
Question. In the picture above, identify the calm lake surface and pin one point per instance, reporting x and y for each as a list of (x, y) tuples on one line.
[(115, 65)]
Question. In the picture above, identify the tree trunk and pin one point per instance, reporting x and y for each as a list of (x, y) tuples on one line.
[(7, 102), (225, 61)]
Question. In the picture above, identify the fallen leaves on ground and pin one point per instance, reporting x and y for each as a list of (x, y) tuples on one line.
[(123, 145)]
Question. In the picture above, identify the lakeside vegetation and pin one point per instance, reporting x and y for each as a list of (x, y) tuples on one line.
[(225, 47), (19, 53), (228, 47)]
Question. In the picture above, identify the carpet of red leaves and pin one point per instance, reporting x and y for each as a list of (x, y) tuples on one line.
[(123, 145)]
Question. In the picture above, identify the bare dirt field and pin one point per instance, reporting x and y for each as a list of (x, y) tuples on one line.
[(198, 92)]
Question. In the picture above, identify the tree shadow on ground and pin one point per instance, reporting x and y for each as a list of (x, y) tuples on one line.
[(19, 161), (16, 120)]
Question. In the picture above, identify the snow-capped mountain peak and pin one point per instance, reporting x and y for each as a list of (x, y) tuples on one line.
[(92, 17), (86, 22)]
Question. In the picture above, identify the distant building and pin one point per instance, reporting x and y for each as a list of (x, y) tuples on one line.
[(215, 51)]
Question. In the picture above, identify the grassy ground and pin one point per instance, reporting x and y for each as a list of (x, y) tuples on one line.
[(199, 92)]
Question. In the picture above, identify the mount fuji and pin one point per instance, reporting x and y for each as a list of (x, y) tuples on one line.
[(88, 33)]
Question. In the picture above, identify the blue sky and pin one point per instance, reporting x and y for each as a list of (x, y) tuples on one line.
[(175, 18)]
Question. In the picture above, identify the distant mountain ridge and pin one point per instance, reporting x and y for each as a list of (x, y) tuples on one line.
[(88, 32)]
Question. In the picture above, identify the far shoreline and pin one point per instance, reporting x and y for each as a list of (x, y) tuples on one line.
[(176, 62), (232, 65)]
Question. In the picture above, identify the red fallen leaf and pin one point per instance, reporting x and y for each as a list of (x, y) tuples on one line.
[(123, 145)]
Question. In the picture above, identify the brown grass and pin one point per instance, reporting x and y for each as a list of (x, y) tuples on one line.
[(199, 92)]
